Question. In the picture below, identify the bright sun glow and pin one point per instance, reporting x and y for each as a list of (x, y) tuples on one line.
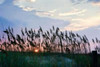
[(36, 50)]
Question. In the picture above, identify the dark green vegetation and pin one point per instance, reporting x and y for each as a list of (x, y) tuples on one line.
[(29, 59)]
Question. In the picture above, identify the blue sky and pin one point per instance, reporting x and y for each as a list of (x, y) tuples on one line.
[(81, 16)]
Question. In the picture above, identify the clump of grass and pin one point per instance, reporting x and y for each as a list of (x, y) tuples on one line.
[(52, 40)]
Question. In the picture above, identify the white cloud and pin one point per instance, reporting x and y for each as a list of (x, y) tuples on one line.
[(81, 16), (52, 11), (44, 13), (2, 1), (74, 12), (96, 3), (43, 5), (47, 8), (23, 4), (79, 1), (31, 0), (28, 8), (81, 24)]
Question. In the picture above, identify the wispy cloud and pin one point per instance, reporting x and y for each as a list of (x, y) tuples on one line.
[(96, 3), (46, 13), (78, 1), (31, 0), (28, 8), (24, 4), (25, 1), (81, 16), (82, 24), (74, 12)]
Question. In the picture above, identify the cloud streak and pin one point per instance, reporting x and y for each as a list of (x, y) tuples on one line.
[(44, 13), (82, 24), (75, 12), (96, 3)]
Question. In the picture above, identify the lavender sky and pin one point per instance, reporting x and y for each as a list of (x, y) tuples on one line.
[(81, 16)]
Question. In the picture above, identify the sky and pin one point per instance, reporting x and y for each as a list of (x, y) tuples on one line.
[(79, 16)]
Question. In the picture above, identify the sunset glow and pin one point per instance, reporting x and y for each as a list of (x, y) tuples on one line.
[(79, 16), (36, 50), (50, 33)]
